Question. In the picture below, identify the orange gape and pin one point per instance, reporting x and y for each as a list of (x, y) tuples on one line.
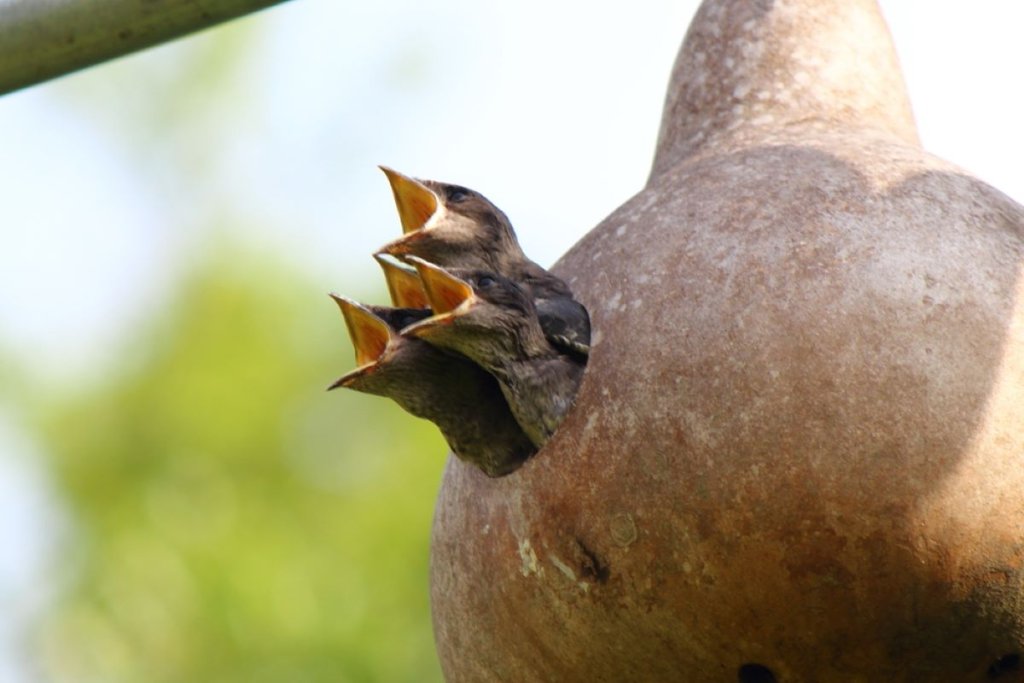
[(369, 334), (445, 291), (415, 202)]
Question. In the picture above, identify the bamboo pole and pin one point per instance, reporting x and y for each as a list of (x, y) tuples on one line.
[(43, 39)]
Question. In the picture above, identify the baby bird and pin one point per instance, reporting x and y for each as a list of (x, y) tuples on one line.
[(492, 321), (463, 400), (455, 227)]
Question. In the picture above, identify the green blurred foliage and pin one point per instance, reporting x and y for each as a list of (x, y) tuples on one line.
[(231, 521)]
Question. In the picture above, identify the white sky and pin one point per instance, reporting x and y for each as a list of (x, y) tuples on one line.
[(549, 107)]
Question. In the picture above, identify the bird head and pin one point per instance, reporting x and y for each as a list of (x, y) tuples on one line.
[(476, 312), (450, 225)]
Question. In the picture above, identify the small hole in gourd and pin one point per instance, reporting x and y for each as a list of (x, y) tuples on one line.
[(755, 673), (1004, 665)]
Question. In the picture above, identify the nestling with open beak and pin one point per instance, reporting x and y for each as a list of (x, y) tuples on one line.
[(463, 400), (490, 319), (404, 284), (455, 227)]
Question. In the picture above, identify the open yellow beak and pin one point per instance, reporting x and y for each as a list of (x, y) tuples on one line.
[(415, 201), (445, 292), (404, 285), (370, 337)]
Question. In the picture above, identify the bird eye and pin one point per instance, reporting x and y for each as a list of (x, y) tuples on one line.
[(484, 281), (458, 194)]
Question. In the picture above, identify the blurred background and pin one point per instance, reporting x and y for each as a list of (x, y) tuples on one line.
[(179, 498)]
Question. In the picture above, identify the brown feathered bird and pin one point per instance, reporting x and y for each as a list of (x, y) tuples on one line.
[(458, 228), (464, 401), (491, 320)]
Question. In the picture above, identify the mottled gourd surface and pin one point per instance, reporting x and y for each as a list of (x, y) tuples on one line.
[(797, 453)]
